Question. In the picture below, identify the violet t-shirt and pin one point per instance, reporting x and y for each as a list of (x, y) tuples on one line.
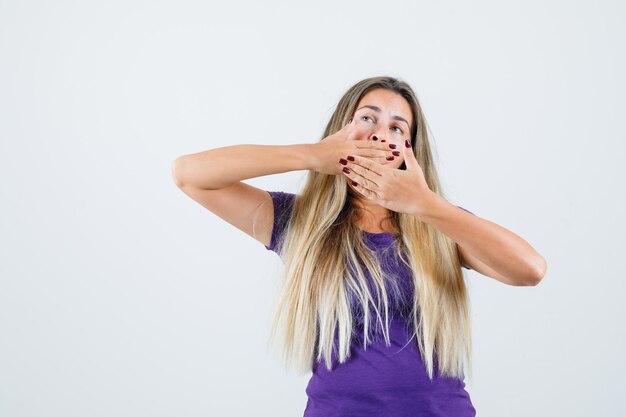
[(381, 380)]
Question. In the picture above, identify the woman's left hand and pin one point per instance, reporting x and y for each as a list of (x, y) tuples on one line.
[(403, 191)]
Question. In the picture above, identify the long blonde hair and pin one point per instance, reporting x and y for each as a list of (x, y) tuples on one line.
[(321, 243)]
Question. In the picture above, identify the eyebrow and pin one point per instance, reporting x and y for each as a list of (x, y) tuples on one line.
[(377, 109)]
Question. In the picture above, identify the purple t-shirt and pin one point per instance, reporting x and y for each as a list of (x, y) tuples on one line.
[(382, 380)]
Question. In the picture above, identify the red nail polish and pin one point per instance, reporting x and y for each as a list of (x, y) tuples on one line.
[(346, 170), (396, 153), (383, 140), (406, 143), (354, 183), (392, 145), (343, 161), (390, 158), (350, 158)]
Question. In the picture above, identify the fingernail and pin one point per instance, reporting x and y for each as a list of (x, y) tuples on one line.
[(392, 145), (396, 153), (406, 143), (390, 158), (383, 140), (343, 161), (375, 138), (350, 158), (346, 170), (354, 183)]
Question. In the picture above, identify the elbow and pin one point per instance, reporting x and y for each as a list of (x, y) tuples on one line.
[(539, 268), (176, 171)]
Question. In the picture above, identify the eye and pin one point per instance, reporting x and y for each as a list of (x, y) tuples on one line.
[(396, 127)]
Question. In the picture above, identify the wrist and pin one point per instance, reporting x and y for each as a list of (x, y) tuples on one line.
[(309, 156), (430, 204)]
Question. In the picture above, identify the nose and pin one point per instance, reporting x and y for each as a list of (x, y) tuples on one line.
[(377, 134)]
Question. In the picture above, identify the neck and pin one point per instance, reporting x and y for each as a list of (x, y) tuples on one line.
[(372, 217)]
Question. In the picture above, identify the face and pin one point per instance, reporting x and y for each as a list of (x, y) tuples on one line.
[(384, 115)]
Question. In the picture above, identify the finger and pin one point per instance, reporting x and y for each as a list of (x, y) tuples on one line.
[(351, 131), (376, 145), (376, 149), (381, 160), (363, 176), (374, 154), (409, 157), (368, 164), (364, 191), (381, 152), (384, 161)]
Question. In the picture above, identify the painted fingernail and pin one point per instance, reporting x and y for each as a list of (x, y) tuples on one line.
[(350, 158), (343, 161), (346, 170), (396, 153), (406, 143), (390, 158), (375, 137), (354, 183), (383, 140), (392, 145)]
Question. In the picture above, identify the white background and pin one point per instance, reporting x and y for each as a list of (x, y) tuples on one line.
[(120, 296)]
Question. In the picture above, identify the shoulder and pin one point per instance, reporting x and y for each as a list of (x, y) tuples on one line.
[(283, 202)]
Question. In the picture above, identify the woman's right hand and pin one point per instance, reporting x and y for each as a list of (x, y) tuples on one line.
[(347, 141)]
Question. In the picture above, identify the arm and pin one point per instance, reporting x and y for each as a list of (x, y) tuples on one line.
[(485, 246), (221, 167), (213, 179)]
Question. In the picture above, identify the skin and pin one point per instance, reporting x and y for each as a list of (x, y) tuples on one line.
[(370, 124), (484, 246), (214, 179)]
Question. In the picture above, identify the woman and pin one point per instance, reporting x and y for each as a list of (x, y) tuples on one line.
[(373, 300)]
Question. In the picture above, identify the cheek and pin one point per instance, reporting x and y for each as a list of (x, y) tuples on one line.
[(359, 133)]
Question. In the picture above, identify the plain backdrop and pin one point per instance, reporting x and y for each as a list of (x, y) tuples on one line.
[(121, 296)]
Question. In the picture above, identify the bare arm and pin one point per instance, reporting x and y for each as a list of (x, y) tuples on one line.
[(486, 246), (221, 167), (213, 178)]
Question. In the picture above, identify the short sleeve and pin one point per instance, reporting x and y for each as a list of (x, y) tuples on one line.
[(469, 213), (283, 205)]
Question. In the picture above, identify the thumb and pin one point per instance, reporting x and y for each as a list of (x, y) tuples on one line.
[(349, 128), (409, 157)]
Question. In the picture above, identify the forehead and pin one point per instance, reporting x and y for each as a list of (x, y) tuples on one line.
[(389, 101)]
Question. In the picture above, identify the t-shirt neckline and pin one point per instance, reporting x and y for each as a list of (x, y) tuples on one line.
[(384, 237)]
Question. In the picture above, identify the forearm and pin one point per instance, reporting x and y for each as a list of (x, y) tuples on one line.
[(221, 167), (492, 244)]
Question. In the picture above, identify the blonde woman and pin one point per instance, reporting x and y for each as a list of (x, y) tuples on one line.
[(373, 299)]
